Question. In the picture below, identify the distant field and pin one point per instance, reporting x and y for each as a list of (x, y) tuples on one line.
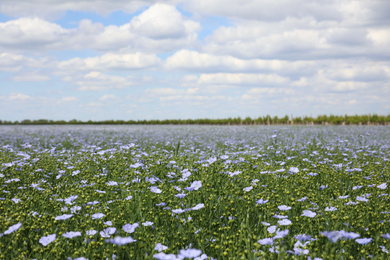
[(194, 192)]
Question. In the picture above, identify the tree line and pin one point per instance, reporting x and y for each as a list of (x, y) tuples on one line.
[(264, 120)]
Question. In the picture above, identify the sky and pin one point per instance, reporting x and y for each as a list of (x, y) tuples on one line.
[(172, 59)]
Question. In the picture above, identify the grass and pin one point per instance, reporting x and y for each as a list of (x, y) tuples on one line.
[(229, 192)]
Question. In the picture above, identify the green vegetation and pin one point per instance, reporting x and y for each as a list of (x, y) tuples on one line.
[(266, 120), (248, 192)]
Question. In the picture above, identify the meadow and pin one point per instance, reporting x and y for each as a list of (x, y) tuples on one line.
[(194, 192)]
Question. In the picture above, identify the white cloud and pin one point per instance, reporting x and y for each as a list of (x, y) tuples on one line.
[(197, 61), (29, 77), (241, 79), (18, 97), (112, 61), (29, 32), (266, 10), (108, 97), (97, 81), (54, 8), (159, 28), (162, 21), (14, 62)]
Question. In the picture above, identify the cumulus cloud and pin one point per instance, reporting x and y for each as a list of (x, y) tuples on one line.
[(159, 28), (112, 61), (97, 81), (52, 9), (241, 79)]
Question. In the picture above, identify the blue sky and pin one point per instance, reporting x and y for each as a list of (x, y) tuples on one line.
[(98, 60)]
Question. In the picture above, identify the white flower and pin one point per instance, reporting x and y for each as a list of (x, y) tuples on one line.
[(47, 239)]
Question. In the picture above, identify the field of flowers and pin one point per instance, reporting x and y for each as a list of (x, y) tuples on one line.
[(194, 192)]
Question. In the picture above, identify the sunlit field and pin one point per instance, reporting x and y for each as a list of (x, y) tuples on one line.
[(194, 192)]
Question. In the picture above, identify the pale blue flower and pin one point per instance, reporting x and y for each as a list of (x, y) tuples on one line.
[(261, 201), (147, 223), (107, 232), (387, 235), (302, 199), (271, 229), (129, 228), (196, 185), (155, 189), (98, 216), (120, 241), (63, 217), (382, 186), (363, 241), (358, 198), (16, 200), (294, 170), (180, 195), (280, 216), (178, 211), (198, 206), (190, 253), (163, 256), (265, 223), (108, 223), (12, 228), (74, 209), (112, 183), (160, 247), (284, 207), (91, 232), (330, 209), (302, 237), (309, 213), (202, 257), (284, 222), (129, 197), (281, 234), (266, 241), (357, 187), (247, 189), (72, 234), (47, 239), (384, 250)]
